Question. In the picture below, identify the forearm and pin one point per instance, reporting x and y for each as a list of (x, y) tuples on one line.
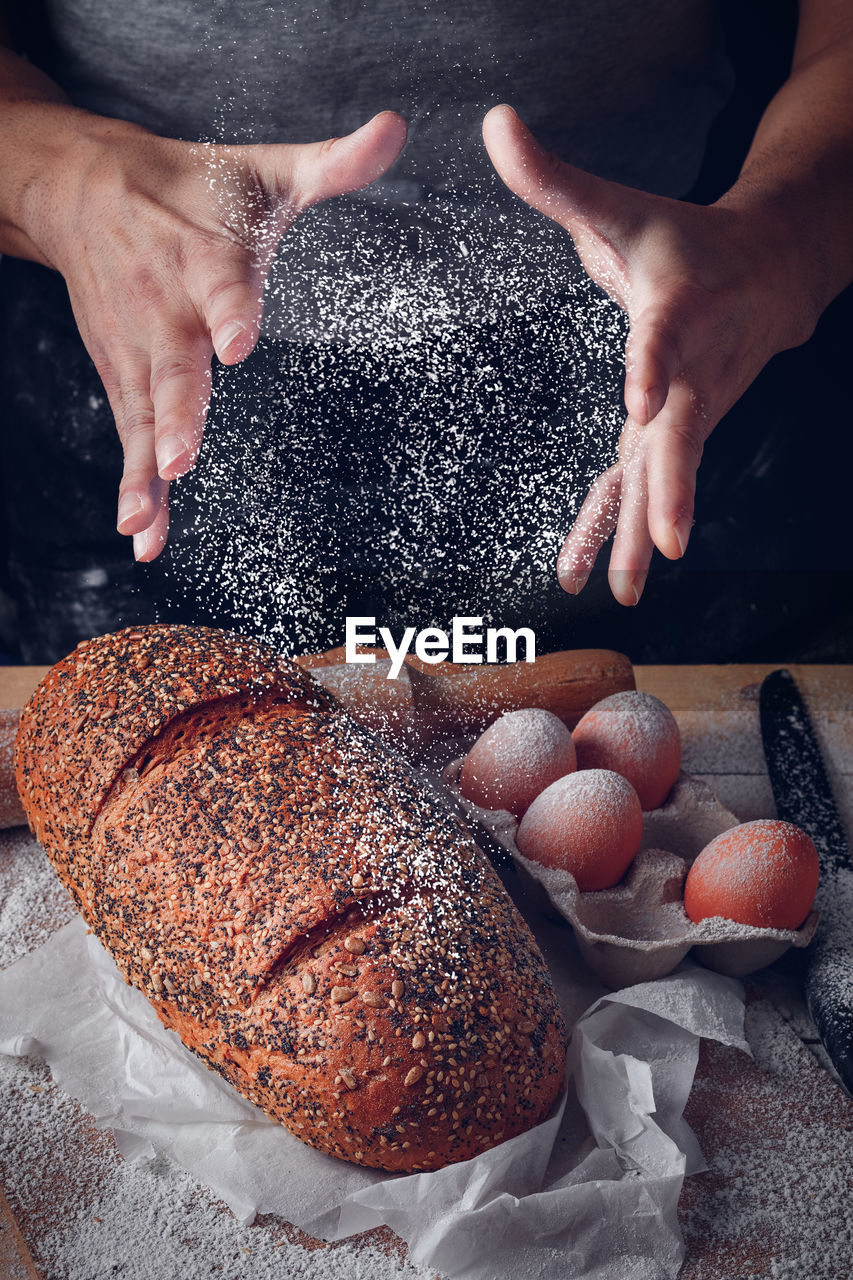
[(41, 138), (798, 175)]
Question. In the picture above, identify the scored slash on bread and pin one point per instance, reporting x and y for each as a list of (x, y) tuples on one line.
[(309, 919)]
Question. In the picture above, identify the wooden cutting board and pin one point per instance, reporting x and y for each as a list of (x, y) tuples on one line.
[(16, 1261)]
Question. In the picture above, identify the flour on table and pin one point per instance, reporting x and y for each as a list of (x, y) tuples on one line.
[(33, 904), (108, 1217), (772, 1186)]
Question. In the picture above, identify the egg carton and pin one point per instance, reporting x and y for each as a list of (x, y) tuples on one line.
[(638, 930)]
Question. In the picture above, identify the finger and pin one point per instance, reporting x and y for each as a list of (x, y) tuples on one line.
[(595, 522), (227, 289), (653, 358), (673, 449), (125, 378), (148, 544), (576, 199), (134, 413), (632, 545), (306, 173), (180, 393)]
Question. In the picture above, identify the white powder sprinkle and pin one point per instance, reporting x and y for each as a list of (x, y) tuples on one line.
[(636, 719), (90, 1215), (597, 799), (775, 1203), (32, 901), (532, 735), (441, 426), (518, 748)]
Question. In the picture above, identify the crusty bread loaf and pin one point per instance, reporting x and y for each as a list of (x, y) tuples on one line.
[(307, 917)]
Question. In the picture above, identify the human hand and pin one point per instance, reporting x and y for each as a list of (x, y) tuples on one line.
[(165, 247), (711, 294)]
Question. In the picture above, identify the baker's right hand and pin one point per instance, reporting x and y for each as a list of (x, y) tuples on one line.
[(165, 247)]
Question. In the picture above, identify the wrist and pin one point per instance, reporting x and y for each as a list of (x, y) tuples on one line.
[(47, 151), (790, 251)]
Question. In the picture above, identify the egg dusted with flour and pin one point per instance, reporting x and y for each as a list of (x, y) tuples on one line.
[(635, 734), (588, 823), (311, 921), (518, 756), (762, 873)]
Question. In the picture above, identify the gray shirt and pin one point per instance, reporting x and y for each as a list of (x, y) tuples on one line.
[(623, 88)]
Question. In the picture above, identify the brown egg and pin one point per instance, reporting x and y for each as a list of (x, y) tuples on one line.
[(589, 823), (761, 873), (635, 734), (517, 757)]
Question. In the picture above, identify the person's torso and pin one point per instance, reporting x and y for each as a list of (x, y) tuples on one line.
[(623, 89)]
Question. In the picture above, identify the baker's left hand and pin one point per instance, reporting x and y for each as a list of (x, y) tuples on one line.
[(711, 293)]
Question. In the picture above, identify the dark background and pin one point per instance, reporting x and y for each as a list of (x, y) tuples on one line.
[(767, 574)]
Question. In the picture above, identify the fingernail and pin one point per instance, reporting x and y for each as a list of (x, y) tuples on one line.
[(143, 542), (637, 584), (681, 529), (129, 505), (169, 449), (624, 582), (227, 336), (573, 582)]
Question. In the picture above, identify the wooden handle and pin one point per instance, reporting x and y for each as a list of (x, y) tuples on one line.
[(333, 657), (465, 699), (462, 698)]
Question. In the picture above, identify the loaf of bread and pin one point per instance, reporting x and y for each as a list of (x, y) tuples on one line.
[(309, 919)]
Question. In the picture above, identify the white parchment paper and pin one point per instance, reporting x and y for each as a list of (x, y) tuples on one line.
[(591, 1192)]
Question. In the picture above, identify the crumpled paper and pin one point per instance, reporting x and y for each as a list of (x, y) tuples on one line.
[(590, 1193)]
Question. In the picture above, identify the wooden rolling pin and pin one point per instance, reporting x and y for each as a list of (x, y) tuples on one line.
[(384, 706), (459, 698), (464, 699)]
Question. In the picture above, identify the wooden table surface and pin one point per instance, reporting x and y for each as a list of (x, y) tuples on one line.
[(749, 1107)]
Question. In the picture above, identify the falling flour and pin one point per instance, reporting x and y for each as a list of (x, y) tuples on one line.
[(436, 387)]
